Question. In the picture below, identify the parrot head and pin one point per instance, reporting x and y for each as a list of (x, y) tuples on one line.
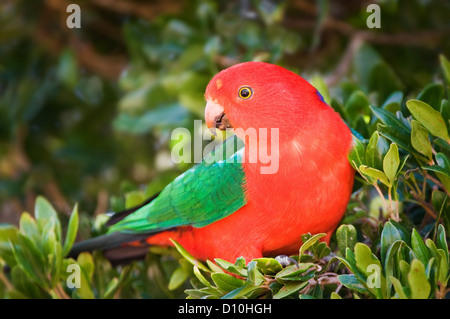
[(260, 95)]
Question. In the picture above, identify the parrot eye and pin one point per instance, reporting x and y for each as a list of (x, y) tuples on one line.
[(245, 92)]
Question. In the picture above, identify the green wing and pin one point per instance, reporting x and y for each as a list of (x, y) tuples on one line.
[(200, 196)]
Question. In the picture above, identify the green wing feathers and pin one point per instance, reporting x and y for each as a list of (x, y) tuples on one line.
[(209, 191)]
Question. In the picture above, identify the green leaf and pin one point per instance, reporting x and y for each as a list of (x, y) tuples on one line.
[(254, 276), (394, 98), (268, 266), (391, 163), (335, 296), (134, 198), (418, 281), (234, 269), (294, 272), (240, 292), (346, 237), (441, 241), (200, 277), (398, 288), (30, 259), (390, 264), (213, 266), (240, 262), (438, 170), (374, 173), (111, 289), (432, 94), (350, 262), (72, 230), (318, 82), (189, 257), (441, 260), (443, 161), (397, 135), (443, 267), (290, 289), (420, 140), (431, 119), (445, 65), (321, 250), (86, 262), (8, 237), (46, 217), (310, 242), (390, 119), (389, 235), (376, 150), (226, 282), (445, 110), (24, 286), (442, 169), (8, 233), (356, 104), (366, 261), (179, 276), (352, 283), (29, 227), (419, 247), (356, 156), (405, 234)]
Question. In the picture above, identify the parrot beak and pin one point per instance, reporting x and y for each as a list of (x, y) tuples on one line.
[(215, 116)]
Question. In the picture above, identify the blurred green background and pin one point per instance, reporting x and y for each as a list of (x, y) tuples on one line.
[(86, 114)]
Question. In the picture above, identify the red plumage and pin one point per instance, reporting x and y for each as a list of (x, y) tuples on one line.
[(311, 188)]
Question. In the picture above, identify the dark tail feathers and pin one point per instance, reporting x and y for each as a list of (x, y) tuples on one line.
[(111, 244)]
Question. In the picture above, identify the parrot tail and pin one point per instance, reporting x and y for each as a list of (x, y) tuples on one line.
[(105, 242), (118, 248)]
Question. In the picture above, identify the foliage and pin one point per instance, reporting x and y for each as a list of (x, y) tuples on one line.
[(35, 264), (86, 116)]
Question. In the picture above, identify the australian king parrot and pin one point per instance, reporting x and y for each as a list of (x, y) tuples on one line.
[(228, 207)]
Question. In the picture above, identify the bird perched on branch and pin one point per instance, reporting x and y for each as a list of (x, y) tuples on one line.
[(291, 176)]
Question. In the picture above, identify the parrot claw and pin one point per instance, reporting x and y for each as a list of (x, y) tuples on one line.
[(286, 260)]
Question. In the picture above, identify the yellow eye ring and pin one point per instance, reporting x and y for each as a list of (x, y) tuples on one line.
[(245, 92)]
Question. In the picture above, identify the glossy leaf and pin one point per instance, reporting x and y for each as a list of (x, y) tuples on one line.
[(310, 242), (376, 150), (441, 240), (346, 237), (419, 247), (418, 281), (268, 266), (389, 235), (356, 156), (431, 119), (375, 174), (189, 257), (432, 94), (420, 140), (351, 282), (391, 163), (178, 277), (72, 230), (254, 276), (398, 288), (226, 282), (290, 289)]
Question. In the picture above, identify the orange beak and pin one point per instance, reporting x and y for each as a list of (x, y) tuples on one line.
[(215, 116)]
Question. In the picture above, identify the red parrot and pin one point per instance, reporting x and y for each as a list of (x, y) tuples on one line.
[(228, 209)]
